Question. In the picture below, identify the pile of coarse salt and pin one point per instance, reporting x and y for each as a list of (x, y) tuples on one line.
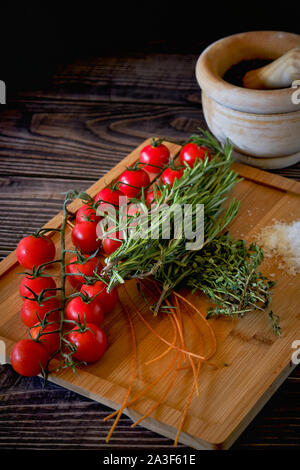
[(282, 240)]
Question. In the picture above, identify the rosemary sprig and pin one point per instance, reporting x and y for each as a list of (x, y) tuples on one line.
[(167, 260)]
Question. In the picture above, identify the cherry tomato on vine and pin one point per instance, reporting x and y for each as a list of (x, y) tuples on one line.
[(90, 345), (135, 213), (37, 285), (90, 311), (132, 181), (135, 209), (192, 152), (151, 197), (35, 250), (109, 244), (86, 213), (28, 357), (108, 300), (169, 175), (31, 310), (84, 237), (109, 196), (155, 155), (81, 268), (50, 339)]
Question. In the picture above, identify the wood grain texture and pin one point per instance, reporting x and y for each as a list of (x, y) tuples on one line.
[(67, 134)]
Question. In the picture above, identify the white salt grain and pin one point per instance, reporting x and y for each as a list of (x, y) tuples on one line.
[(282, 240)]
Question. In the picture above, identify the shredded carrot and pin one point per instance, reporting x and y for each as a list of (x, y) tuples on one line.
[(170, 315), (181, 323), (197, 356), (169, 348), (132, 374), (186, 408), (176, 319), (213, 336), (188, 402), (183, 345), (145, 389), (199, 337), (154, 407)]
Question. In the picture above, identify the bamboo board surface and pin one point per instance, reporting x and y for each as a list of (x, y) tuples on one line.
[(252, 361)]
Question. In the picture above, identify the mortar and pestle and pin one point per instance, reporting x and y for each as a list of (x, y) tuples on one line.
[(260, 114)]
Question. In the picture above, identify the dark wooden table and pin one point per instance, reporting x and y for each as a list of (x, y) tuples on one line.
[(65, 129)]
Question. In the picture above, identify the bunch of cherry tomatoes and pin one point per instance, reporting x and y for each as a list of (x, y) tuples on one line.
[(86, 308)]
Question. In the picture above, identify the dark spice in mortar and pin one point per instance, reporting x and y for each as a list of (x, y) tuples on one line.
[(236, 73)]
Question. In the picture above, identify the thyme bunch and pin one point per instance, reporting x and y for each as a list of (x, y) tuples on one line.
[(227, 272)]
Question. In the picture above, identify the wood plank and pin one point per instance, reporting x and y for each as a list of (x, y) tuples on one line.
[(267, 179), (135, 77), (56, 418)]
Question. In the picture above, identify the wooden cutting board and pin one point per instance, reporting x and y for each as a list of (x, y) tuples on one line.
[(252, 362)]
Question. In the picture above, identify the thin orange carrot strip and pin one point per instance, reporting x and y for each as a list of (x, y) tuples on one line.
[(132, 374), (204, 319), (181, 323), (188, 403), (154, 407), (186, 408), (169, 348), (197, 356), (174, 326), (144, 390), (190, 359), (180, 330), (196, 326)]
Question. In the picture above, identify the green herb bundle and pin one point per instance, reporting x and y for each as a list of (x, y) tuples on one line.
[(224, 269), (227, 272)]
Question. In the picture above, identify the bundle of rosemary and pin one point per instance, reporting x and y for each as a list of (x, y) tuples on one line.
[(223, 268)]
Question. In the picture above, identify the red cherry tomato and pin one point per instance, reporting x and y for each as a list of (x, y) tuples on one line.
[(155, 155), (151, 197), (132, 181), (33, 251), (50, 340), (31, 310), (134, 210), (192, 152), (108, 300), (109, 196), (91, 312), (86, 213), (86, 268), (28, 357), (90, 345), (37, 284), (169, 175), (110, 245), (84, 237)]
